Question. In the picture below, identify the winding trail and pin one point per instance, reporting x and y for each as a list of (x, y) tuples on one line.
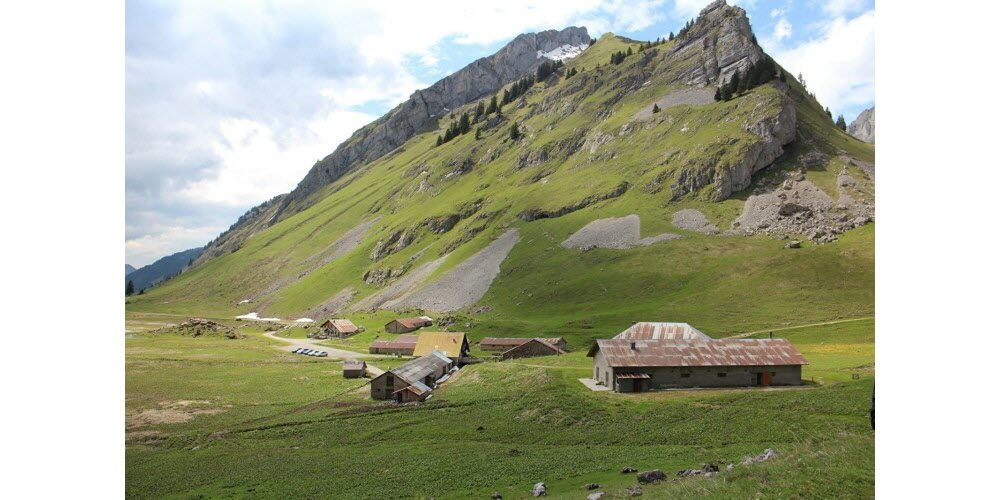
[(748, 334)]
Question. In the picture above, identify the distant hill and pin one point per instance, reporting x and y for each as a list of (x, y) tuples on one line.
[(129, 269), (167, 267)]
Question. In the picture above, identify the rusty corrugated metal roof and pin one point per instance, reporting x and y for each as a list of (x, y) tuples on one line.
[(353, 364), (401, 342), (647, 330), (416, 322), (715, 352), (342, 325), (512, 341)]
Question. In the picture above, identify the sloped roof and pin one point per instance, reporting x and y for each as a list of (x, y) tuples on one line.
[(718, 352), (400, 342), (415, 322), (415, 371), (526, 345), (646, 330), (342, 325), (449, 343), (353, 364), (512, 341)]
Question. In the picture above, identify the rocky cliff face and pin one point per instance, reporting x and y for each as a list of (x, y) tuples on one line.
[(720, 43), (419, 113), (863, 127), (423, 109)]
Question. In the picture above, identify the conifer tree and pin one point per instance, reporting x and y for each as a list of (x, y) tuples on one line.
[(129, 288), (480, 109), (493, 105), (841, 123), (515, 134), (671, 35), (828, 113), (478, 133), (463, 124), (718, 94), (439, 141), (629, 52), (656, 108)]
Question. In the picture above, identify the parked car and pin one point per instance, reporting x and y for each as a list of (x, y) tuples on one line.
[(298, 350), (307, 352), (322, 354)]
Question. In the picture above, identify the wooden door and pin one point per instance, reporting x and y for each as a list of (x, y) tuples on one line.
[(767, 378)]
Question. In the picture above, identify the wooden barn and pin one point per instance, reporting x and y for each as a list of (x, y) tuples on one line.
[(354, 368), (339, 328), (637, 365), (401, 346), (407, 325), (507, 343), (530, 349), (413, 380), (455, 345)]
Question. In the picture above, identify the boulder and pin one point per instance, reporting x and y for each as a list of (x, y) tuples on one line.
[(793, 244), (764, 456), (597, 495), (629, 470), (634, 491), (496, 496), (593, 486), (538, 490), (651, 476)]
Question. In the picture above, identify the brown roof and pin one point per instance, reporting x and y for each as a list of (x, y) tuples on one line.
[(720, 352), (515, 341), (342, 325), (416, 322), (647, 330), (400, 342), (353, 364)]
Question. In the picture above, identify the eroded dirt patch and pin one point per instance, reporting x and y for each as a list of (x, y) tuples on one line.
[(171, 412), (615, 232)]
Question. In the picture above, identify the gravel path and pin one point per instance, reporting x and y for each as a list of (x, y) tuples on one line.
[(464, 285), (693, 220), (333, 354), (690, 97), (616, 232)]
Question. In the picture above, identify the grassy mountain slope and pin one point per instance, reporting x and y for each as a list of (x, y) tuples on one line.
[(580, 140)]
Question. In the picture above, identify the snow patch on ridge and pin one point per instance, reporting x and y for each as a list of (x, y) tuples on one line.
[(563, 53)]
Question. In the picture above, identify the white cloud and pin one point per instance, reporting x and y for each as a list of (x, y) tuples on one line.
[(839, 65), (165, 241), (837, 8), (782, 30)]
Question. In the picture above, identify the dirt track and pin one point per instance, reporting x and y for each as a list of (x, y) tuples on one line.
[(334, 354)]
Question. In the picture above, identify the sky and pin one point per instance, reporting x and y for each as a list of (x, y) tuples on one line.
[(229, 103)]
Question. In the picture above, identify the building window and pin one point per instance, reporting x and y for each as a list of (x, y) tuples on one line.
[(774, 373), (722, 374), (685, 375)]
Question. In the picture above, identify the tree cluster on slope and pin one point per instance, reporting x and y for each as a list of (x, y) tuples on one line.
[(546, 69), (757, 73), (620, 56), (648, 45)]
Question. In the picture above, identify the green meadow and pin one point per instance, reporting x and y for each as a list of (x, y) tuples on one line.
[(266, 423)]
